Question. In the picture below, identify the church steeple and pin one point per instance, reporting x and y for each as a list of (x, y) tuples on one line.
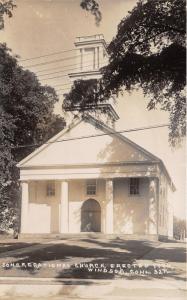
[(91, 55)]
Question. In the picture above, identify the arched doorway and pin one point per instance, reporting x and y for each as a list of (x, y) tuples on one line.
[(90, 216)]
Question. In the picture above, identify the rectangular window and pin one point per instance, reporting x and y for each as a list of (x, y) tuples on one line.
[(50, 189), (134, 186), (89, 59), (91, 187)]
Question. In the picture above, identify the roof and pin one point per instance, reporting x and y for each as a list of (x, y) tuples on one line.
[(106, 129), (155, 158)]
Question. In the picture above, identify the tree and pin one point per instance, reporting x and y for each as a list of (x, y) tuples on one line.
[(6, 167), (148, 52), (6, 8), (179, 228), (26, 121), (93, 7)]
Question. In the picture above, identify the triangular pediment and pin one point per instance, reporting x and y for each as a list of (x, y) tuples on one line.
[(87, 141)]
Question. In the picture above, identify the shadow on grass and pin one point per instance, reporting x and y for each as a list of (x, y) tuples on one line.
[(8, 246), (96, 259)]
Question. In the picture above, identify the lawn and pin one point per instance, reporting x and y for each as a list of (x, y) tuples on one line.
[(75, 258), (13, 244)]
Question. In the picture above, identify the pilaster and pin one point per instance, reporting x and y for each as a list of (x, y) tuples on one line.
[(109, 206), (153, 206), (64, 207), (24, 206)]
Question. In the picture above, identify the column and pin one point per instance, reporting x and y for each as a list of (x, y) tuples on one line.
[(153, 206), (96, 58), (81, 59), (170, 213), (64, 207), (24, 206), (109, 206)]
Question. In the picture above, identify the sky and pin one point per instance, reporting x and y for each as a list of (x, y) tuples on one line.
[(41, 27)]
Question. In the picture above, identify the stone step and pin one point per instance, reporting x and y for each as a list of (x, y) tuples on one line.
[(92, 235)]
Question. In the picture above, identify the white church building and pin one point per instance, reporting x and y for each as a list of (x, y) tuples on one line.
[(90, 178)]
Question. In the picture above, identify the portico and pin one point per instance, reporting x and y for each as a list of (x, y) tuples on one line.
[(61, 211)]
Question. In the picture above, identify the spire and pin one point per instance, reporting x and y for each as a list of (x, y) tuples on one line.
[(91, 55)]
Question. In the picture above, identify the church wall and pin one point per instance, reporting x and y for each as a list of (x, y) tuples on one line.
[(43, 213), (131, 212), (77, 196)]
